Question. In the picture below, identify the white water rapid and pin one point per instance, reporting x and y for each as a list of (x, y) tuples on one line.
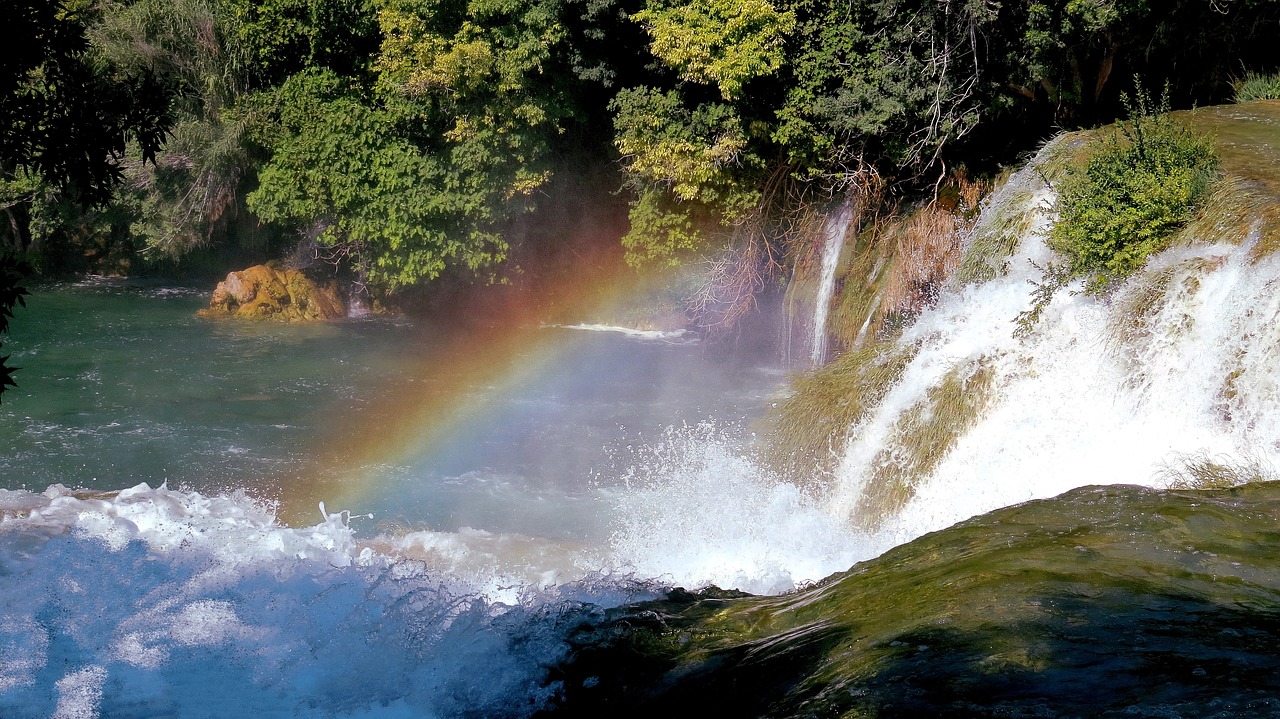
[(833, 232)]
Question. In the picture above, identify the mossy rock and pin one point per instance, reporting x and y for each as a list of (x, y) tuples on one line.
[(263, 292)]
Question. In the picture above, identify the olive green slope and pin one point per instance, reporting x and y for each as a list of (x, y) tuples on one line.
[(1106, 601)]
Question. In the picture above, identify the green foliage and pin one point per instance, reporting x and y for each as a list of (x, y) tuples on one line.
[(1054, 277), (691, 169), (476, 86), (341, 168), (662, 233), (192, 47), (282, 37), (198, 182), (64, 114), (725, 43), (1255, 86), (423, 168), (445, 119), (870, 87), (698, 155), (1141, 186), (12, 294)]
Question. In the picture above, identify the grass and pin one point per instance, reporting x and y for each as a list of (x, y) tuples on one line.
[(1257, 86), (897, 266), (922, 438), (927, 247), (1201, 470), (810, 428)]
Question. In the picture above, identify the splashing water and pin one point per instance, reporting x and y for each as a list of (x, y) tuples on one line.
[(698, 511), (164, 603), (833, 232), (1105, 390)]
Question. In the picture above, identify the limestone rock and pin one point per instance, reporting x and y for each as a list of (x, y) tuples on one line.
[(270, 293)]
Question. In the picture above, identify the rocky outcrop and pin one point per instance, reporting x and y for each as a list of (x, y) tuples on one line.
[(263, 292)]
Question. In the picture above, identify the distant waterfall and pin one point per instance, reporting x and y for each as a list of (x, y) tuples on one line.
[(833, 232)]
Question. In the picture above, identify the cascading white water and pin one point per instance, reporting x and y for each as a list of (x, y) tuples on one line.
[(833, 232), (1183, 359)]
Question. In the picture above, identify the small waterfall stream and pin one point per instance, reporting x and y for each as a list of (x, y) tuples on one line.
[(833, 232)]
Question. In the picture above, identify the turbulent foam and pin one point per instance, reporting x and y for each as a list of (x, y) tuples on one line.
[(697, 510), (155, 602)]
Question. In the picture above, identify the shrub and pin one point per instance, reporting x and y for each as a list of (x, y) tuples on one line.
[(1257, 87), (1141, 186)]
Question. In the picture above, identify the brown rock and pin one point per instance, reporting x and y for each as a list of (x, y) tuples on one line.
[(264, 292)]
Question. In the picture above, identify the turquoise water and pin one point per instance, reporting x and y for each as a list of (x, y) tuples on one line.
[(121, 384)]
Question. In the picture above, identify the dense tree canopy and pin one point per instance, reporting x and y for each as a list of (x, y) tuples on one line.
[(67, 115), (403, 138)]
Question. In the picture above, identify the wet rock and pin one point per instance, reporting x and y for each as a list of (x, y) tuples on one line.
[(264, 292)]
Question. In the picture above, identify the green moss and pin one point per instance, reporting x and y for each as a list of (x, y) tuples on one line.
[(809, 429), (1120, 590), (922, 437)]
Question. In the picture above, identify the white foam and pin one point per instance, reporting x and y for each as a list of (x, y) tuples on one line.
[(680, 334), (161, 602), (699, 511), (79, 694)]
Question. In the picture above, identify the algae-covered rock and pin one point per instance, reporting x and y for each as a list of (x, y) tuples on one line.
[(265, 292), (1103, 602)]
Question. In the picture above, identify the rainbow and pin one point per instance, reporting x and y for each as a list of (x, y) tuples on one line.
[(421, 419)]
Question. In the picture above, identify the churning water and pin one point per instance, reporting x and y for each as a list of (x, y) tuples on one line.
[(148, 455)]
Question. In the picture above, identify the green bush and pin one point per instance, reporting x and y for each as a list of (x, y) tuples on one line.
[(1257, 87), (1141, 186)]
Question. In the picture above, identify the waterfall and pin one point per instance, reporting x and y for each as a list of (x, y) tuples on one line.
[(1183, 361), (833, 232)]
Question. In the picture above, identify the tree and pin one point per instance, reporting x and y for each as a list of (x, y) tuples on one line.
[(64, 116), (423, 168), (12, 293), (725, 43), (197, 182), (341, 168)]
